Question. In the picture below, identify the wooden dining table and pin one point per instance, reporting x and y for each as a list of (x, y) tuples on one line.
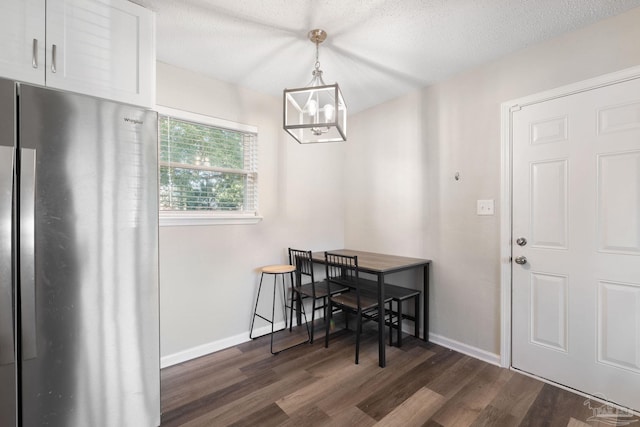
[(382, 265)]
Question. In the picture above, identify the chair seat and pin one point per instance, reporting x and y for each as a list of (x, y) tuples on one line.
[(368, 300), (321, 289)]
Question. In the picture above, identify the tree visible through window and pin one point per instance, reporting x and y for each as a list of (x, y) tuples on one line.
[(204, 168)]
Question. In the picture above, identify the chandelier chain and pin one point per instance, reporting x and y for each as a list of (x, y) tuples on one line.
[(317, 55)]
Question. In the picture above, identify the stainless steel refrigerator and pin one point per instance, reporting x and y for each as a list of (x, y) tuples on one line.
[(79, 321)]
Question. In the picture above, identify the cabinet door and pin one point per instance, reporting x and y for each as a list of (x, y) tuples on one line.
[(103, 48), (22, 41)]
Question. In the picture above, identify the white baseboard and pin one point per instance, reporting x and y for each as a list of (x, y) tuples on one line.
[(463, 348), (212, 347)]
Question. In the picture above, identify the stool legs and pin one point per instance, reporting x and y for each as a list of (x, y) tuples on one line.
[(284, 298), (273, 310), (255, 308)]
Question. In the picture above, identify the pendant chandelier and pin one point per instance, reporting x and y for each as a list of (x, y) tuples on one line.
[(317, 112)]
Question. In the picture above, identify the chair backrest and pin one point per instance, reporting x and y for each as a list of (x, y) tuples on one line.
[(302, 260), (342, 270)]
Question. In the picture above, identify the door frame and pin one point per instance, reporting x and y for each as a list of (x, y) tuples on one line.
[(506, 110)]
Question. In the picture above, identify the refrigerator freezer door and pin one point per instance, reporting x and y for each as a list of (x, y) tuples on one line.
[(7, 312), (96, 262)]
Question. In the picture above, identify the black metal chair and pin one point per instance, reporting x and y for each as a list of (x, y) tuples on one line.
[(316, 290), (341, 271)]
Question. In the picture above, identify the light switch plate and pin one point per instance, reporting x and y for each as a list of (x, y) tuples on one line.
[(485, 207)]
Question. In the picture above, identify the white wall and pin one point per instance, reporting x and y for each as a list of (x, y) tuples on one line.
[(208, 276), (390, 188), (402, 197)]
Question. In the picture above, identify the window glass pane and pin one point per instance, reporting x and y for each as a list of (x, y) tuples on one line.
[(196, 144), (189, 189)]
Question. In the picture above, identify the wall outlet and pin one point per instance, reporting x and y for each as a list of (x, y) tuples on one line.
[(485, 207)]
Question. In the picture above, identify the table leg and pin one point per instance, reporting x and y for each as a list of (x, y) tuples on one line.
[(425, 303), (381, 324)]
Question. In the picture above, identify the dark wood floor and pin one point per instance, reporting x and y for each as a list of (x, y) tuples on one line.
[(422, 385)]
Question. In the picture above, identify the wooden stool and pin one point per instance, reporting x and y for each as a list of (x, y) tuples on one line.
[(275, 270)]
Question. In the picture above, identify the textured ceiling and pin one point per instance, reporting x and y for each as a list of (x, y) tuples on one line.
[(376, 49)]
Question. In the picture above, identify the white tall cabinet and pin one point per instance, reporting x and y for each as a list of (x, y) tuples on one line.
[(104, 48)]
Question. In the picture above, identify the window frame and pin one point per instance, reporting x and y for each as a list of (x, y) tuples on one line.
[(180, 218)]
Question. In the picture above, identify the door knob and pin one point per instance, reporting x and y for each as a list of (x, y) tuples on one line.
[(521, 260), (521, 241)]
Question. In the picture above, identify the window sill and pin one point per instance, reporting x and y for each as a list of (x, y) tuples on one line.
[(184, 219)]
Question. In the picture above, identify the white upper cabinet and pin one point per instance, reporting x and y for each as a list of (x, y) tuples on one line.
[(22, 43), (104, 48)]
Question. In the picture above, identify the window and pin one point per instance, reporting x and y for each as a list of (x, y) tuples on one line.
[(208, 170)]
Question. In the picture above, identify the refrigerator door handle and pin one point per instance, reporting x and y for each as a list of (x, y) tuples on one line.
[(27, 252), (7, 339)]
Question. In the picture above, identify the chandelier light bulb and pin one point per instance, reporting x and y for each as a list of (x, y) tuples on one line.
[(329, 111), (312, 107)]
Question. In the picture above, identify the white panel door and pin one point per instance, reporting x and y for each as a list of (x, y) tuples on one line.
[(576, 201), (22, 40), (103, 48)]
